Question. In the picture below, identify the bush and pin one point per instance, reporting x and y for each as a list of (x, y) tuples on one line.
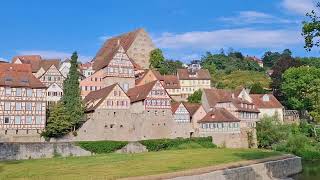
[(100, 147), (179, 143)]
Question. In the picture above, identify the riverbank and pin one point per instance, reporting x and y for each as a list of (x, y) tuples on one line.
[(311, 171), (113, 166)]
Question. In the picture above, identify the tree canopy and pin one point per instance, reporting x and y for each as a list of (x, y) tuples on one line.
[(195, 97), (311, 30), (158, 62)]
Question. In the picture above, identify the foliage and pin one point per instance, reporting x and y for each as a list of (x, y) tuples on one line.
[(101, 147), (71, 93), (257, 88), (59, 122), (239, 79), (156, 58), (170, 67), (284, 63), (297, 139), (233, 62), (310, 30), (269, 132), (179, 143), (310, 61), (67, 114), (158, 62), (195, 97), (250, 138), (301, 89)]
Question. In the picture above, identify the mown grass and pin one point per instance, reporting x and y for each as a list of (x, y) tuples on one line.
[(112, 166)]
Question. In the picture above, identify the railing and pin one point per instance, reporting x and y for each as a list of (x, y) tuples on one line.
[(291, 116)]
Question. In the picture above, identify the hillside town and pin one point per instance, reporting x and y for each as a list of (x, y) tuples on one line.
[(126, 100)]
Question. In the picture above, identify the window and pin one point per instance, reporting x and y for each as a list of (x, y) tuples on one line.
[(29, 92), (8, 91), (38, 120), (49, 78), (39, 92), (38, 107), (28, 120), (55, 93), (18, 106), (6, 120), (17, 120), (115, 93), (7, 106), (18, 91), (28, 106)]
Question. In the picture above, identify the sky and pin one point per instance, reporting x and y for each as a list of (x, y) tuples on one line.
[(183, 29)]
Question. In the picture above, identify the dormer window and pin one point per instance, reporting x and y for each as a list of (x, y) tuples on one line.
[(266, 98)]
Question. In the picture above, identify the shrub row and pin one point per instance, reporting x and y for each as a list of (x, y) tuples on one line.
[(100, 147), (179, 143)]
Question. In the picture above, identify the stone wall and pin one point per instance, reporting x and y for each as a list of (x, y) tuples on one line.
[(18, 151), (266, 171)]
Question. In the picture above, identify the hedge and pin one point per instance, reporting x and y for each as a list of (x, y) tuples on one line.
[(100, 147), (179, 143)]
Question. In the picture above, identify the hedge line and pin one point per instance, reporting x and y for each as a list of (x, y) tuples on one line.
[(179, 143), (100, 147)]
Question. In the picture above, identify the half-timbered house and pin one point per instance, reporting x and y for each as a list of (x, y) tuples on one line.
[(22, 100)]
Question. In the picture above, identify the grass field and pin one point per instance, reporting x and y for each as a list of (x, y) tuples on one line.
[(111, 166)]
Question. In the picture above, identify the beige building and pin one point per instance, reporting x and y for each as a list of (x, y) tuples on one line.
[(22, 103), (191, 81), (137, 44), (268, 105)]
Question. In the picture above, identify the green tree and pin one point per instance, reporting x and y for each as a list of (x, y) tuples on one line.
[(170, 67), (311, 30), (71, 98), (156, 58), (195, 97), (58, 123), (268, 132), (257, 88), (301, 89)]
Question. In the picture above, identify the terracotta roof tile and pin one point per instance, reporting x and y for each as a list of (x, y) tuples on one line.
[(272, 103), (33, 60), (18, 75), (99, 96), (218, 115), (191, 107), (46, 64), (140, 93), (215, 96), (201, 74), (171, 82), (110, 46)]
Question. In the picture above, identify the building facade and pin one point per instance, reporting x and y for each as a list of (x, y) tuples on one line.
[(191, 81), (22, 102)]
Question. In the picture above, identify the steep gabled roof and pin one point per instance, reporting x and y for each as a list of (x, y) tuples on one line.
[(18, 75), (33, 60), (192, 107), (155, 73), (95, 98), (140, 93), (215, 96), (218, 115), (46, 64), (260, 103), (171, 82), (110, 46), (201, 74)]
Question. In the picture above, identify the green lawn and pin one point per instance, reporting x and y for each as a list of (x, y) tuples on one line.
[(111, 166)]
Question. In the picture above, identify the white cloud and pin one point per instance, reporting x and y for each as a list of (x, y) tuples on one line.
[(254, 17), (236, 38), (53, 54), (300, 7), (3, 59)]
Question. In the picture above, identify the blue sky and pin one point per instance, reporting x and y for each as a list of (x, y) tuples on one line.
[(183, 29)]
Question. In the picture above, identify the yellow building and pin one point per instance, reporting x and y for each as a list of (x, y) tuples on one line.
[(191, 81)]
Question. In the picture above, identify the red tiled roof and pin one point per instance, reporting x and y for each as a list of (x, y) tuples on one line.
[(46, 64), (175, 106), (156, 74), (192, 107), (33, 60), (98, 95), (218, 115), (171, 82), (201, 74), (108, 48), (18, 75), (272, 103), (215, 96), (140, 93)]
